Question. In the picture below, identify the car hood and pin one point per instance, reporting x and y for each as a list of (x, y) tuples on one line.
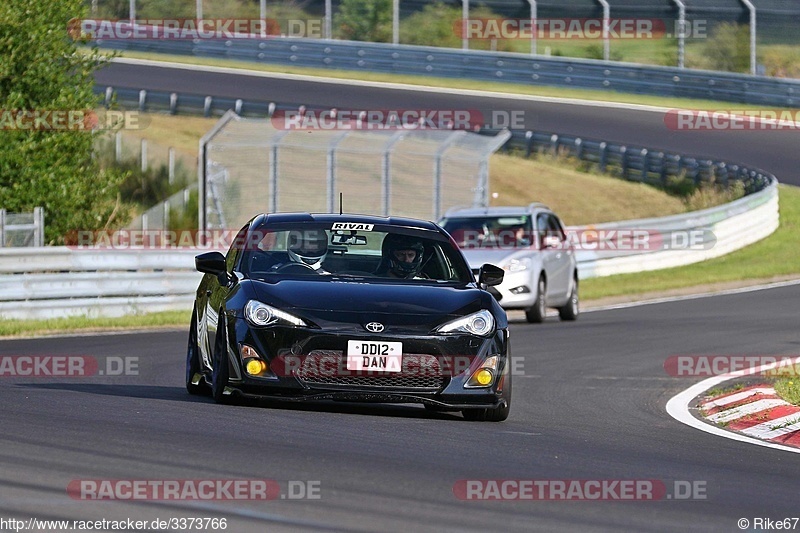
[(399, 304)]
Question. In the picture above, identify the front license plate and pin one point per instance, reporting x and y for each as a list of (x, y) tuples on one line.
[(375, 356)]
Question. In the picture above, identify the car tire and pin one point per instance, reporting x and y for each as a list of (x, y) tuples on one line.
[(571, 310), (193, 362), (220, 372), (538, 311), (496, 414)]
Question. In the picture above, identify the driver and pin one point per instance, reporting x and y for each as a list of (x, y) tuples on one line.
[(308, 248), (401, 257)]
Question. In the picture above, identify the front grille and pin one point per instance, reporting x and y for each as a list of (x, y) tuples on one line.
[(420, 372)]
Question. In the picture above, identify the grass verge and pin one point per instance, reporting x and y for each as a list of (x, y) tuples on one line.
[(789, 389), (776, 256), (16, 328)]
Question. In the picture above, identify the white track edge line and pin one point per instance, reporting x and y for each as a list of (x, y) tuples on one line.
[(678, 408)]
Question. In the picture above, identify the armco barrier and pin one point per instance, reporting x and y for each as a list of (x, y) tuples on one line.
[(50, 282), (59, 281), (732, 226), (485, 66)]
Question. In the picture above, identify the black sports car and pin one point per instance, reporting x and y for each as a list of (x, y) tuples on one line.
[(352, 308)]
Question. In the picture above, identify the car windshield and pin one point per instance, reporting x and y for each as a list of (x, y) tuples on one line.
[(503, 232), (318, 251)]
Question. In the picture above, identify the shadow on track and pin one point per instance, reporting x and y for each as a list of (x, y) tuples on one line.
[(180, 394)]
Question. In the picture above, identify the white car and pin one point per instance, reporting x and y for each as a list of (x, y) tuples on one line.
[(530, 244)]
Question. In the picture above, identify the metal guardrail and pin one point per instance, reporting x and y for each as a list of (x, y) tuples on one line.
[(50, 282), (731, 226), (635, 163), (485, 66)]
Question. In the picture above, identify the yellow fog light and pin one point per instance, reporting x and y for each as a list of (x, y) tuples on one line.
[(483, 377), (255, 367)]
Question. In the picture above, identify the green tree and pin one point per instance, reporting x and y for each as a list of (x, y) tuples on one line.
[(436, 25), (728, 48), (42, 69), (364, 20)]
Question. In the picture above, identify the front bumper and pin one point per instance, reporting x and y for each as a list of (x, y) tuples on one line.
[(310, 364)]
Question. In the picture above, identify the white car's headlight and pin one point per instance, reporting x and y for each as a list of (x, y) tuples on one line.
[(261, 314), (517, 265), (480, 323)]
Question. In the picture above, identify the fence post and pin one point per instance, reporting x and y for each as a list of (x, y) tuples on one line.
[(166, 216), (331, 172), (528, 143), (623, 162), (554, 143), (579, 148), (118, 146), (644, 164), (207, 106), (38, 222), (273, 179), (143, 154), (603, 156), (171, 166), (2, 228)]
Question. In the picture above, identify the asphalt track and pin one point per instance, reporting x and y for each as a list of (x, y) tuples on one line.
[(589, 400), (774, 151), (588, 404)]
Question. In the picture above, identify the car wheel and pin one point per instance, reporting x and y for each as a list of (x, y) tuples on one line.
[(193, 362), (220, 372), (571, 310), (536, 313)]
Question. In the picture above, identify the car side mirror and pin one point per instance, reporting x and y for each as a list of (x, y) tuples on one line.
[(490, 275), (213, 263), (551, 241)]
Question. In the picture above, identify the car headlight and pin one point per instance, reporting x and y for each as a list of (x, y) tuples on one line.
[(517, 265), (480, 323), (261, 314)]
